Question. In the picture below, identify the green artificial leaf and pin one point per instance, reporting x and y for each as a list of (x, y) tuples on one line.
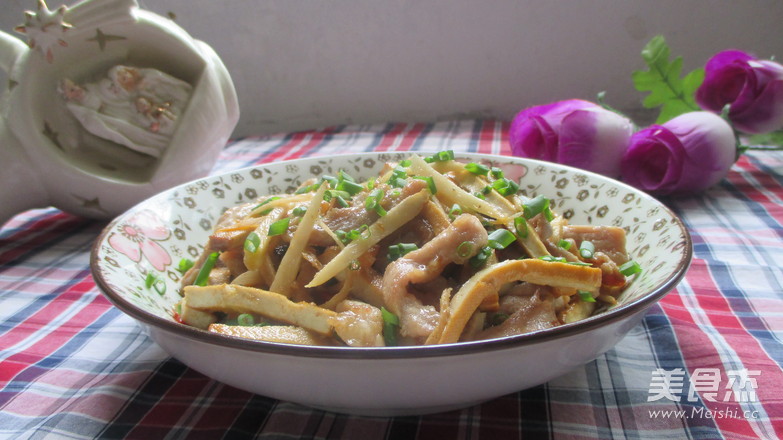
[(673, 94)]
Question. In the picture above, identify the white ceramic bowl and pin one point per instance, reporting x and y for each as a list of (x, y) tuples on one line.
[(390, 380)]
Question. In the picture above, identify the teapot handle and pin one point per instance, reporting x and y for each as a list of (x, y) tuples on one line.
[(11, 49)]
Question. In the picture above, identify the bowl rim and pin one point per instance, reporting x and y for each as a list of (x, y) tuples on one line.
[(398, 352)]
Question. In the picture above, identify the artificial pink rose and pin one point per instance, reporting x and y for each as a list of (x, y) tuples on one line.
[(685, 155), (753, 87), (578, 133)]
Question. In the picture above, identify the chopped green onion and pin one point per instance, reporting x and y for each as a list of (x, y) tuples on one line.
[(203, 273), (184, 265), (279, 227), (395, 193), (441, 156), (500, 239), (552, 259), (564, 244), (586, 296), (252, 242), (505, 187), (430, 183), (308, 188), (342, 176), (299, 211), (271, 199), (399, 250), (477, 169), (520, 225), (341, 202), (390, 324), (150, 280), (578, 263), (455, 211), (630, 268), (397, 182), (371, 184), (586, 249), (373, 202), (479, 195), (480, 259), (496, 172), (535, 206), (465, 248), (350, 187), (246, 320), (333, 181), (486, 190), (405, 163)]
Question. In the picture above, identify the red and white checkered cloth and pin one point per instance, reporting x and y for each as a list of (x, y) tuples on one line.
[(705, 362)]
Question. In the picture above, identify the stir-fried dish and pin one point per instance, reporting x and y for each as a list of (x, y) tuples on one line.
[(431, 251)]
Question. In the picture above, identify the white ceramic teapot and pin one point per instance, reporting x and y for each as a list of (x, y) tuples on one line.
[(50, 155)]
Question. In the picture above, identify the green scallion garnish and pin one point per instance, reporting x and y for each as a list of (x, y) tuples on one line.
[(299, 211), (150, 280), (333, 181), (350, 187), (430, 183), (279, 227), (480, 259), (630, 268), (455, 211), (184, 265), (564, 244), (477, 169), (500, 239), (520, 225), (252, 242), (535, 206), (586, 296), (465, 248), (505, 187), (496, 172), (246, 320), (390, 324), (586, 249), (399, 250), (441, 156), (552, 259), (203, 273)]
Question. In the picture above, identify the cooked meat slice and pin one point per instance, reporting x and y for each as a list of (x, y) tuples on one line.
[(528, 313), (358, 324), (424, 265), (607, 239)]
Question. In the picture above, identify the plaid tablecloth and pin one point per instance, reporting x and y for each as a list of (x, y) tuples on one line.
[(705, 362)]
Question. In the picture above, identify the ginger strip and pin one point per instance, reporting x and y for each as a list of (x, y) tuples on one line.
[(399, 215), (450, 193), (292, 260)]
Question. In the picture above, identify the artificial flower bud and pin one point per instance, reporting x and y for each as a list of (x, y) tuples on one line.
[(753, 87), (685, 155), (573, 132)]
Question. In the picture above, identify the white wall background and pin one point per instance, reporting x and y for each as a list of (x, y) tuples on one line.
[(300, 64)]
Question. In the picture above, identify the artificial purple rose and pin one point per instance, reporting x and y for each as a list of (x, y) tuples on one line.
[(573, 132), (685, 155), (753, 87)]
